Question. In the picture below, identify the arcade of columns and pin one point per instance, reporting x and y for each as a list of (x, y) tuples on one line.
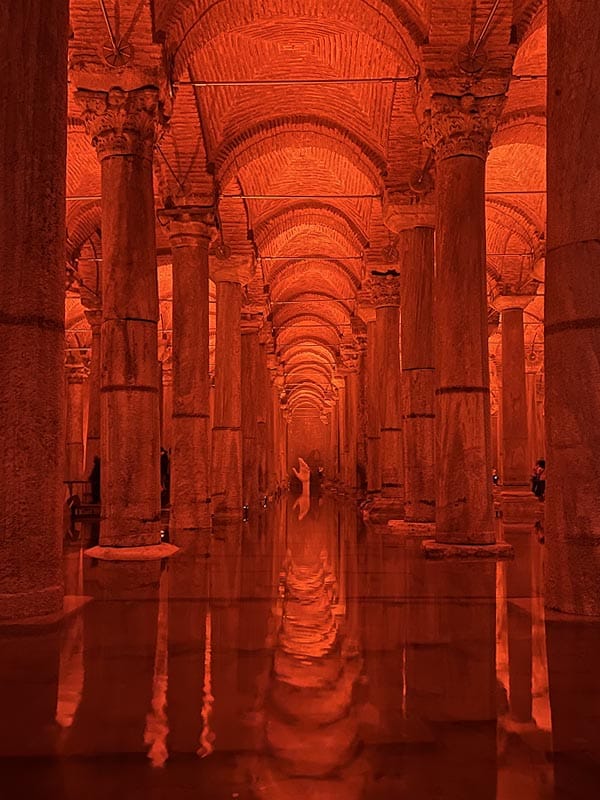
[(398, 374)]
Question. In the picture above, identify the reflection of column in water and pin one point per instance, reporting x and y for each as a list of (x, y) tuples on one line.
[(157, 723), (502, 667), (207, 737), (71, 671), (522, 743), (540, 685)]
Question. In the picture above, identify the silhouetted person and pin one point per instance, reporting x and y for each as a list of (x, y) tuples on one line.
[(538, 479), (94, 479), (165, 477)]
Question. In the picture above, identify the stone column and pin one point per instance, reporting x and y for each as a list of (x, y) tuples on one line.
[(226, 471), (123, 128), (92, 449), (262, 412), (532, 416), (412, 218), (340, 384), (385, 291), (373, 433), (190, 231), (519, 505), (33, 151), (251, 377), (166, 400), (572, 313), (459, 131), (74, 433), (351, 396)]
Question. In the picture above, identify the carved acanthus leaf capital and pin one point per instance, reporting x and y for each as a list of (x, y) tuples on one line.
[(461, 125), (122, 123), (187, 224), (506, 300), (252, 320), (407, 209), (349, 356), (385, 288), (234, 269), (364, 304)]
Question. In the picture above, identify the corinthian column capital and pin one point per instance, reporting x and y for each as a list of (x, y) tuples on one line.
[(385, 288), (461, 125), (121, 123), (187, 224), (405, 210), (233, 269)]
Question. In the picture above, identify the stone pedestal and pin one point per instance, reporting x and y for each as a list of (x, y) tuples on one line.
[(33, 85), (122, 126), (74, 426), (226, 473), (385, 292), (190, 231), (572, 324), (459, 131), (92, 448), (519, 505)]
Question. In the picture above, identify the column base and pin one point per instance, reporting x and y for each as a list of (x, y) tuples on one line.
[(384, 509), (151, 552), (474, 552), (37, 606), (411, 528), (520, 507)]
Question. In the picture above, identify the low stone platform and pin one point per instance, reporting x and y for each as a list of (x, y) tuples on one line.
[(407, 528), (152, 552), (438, 550)]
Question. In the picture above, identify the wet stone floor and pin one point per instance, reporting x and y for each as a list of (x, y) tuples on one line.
[(303, 656)]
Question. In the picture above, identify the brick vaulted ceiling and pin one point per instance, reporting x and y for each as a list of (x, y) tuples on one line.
[(299, 153)]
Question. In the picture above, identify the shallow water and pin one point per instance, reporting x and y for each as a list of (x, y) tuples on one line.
[(298, 659)]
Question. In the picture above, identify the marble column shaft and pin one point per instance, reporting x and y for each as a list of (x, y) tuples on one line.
[(190, 233), (33, 153), (460, 131), (373, 427), (386, 298), (123, 128), (418, 373), (226, 472), (572, 310), (342, 431), (351, 426), (92, 447), (251, 377), (74, 424), (516, 467)]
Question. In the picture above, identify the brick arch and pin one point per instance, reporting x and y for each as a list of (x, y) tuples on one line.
[(273, 233), (529, 16), (84, 219), (324, 278), (281, 133), (320, 349), (190, 25)]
